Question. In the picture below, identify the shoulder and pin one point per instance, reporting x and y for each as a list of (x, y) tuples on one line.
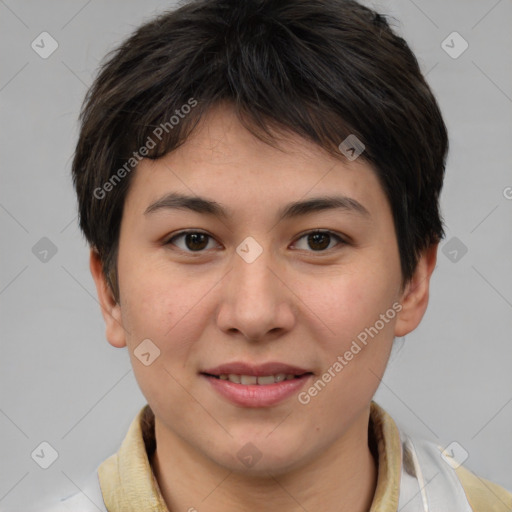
[(483, 495), (480, 494), (88, 499)]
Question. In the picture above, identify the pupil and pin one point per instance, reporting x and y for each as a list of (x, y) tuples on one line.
[(314, 238), (195, 242)]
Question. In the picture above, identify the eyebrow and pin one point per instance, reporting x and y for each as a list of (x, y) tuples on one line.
[(176, 201)]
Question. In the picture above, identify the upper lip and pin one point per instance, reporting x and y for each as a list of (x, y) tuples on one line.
[(271, 368)]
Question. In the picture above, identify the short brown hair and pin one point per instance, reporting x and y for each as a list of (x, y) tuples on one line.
[(323, 69)]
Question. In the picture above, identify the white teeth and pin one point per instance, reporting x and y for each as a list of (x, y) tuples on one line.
[(252, 379), (248, 379), (268, 379)]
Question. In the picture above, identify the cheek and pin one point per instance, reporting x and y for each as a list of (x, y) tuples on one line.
[(358, 309), (155, 298), (348, 302), (169, 308), (161, 310)]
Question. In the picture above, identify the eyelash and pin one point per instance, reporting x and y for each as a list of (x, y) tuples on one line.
[(341, 241)]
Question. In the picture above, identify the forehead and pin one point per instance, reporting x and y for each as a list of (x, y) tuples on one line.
[(221, 159)]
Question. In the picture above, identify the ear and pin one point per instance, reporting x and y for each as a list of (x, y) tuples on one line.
[(414, 298), (110, 309)]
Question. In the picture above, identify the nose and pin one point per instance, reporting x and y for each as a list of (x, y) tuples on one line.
[(256, 300)]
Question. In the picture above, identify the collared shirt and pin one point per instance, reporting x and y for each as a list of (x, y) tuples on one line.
[(413, 475)]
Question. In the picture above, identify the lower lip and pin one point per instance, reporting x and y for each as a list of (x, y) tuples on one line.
[(256, 395)]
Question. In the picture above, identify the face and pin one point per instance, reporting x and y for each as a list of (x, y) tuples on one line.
[(253, 286)]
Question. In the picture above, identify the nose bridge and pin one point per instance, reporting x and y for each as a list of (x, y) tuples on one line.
[(255, 300), (252, 274)]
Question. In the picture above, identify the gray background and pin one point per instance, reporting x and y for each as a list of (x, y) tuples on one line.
[(61, 382)]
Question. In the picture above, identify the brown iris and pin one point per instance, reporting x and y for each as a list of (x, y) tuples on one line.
[(321, 239), (198, 241)]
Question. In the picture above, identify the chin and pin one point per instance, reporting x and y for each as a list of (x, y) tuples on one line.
[(260, 458)]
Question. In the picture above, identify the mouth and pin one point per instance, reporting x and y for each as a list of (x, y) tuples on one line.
[(261, 380), (247, 385), (269, 369)]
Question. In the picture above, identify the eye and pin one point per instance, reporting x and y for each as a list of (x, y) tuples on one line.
[(321, 240), (194, 241), (197, 241)]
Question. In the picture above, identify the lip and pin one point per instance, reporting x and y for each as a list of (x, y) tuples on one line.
[(256, 395), (270, 368)]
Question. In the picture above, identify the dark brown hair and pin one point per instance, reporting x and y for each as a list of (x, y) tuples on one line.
[(323, 69)]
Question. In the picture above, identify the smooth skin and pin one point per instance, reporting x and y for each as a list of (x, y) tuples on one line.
[(301, 302)]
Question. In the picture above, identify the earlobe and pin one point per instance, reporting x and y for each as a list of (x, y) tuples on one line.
[(110, 308), (414, 299)]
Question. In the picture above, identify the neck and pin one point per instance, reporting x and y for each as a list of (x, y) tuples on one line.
[(342, 479)]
